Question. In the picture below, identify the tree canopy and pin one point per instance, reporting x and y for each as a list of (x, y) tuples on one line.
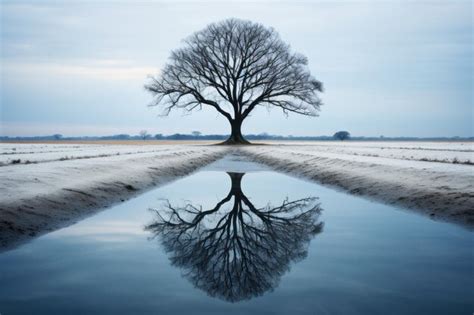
[(235, 66), (342, 135)]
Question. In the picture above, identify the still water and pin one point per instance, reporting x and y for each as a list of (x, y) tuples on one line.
[(237, 238)]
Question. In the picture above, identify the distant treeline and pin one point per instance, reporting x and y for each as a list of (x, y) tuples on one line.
[(199, 136)]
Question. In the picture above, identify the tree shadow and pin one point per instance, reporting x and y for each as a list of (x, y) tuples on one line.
[(240, 251)]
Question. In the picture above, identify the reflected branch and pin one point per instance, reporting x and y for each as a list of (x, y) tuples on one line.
[(236, 251)]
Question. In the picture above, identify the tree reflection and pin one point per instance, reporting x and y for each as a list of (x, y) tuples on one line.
[(241, 251)]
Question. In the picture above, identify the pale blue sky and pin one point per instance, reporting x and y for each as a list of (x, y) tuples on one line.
[(393, 68)]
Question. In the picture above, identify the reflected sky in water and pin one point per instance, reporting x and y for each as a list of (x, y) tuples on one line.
[(368, 257)]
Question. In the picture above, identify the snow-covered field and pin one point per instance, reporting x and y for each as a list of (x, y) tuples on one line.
[(444, 152), (46, 186), (55, 192), (27, 153), (436, 179)]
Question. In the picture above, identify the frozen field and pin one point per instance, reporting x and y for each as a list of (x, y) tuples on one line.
[(51, 191), (433, 178), (27, 153), (443, 152), (46, 186)]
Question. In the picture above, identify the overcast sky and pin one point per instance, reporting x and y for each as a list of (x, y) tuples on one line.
[(393, 68)]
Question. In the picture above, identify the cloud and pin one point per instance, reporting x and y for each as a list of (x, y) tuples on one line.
[(92, 69)]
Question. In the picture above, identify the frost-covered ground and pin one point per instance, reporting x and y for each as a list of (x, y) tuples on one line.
[(46, 186), (444, 152), (408, 174), (27, 153), (54, 192)]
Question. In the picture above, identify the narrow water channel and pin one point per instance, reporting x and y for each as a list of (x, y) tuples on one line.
[(238, 238)]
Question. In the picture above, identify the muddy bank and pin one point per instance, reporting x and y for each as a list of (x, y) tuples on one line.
[(441, 192), (37, 199)]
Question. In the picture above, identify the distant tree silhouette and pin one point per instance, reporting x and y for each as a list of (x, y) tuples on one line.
[(144, 134), (234, 66), (240, 251), (196, 133), (57, 136), (342, 135), (121, 136)]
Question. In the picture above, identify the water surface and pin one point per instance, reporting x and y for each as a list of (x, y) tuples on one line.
[(237, 238)]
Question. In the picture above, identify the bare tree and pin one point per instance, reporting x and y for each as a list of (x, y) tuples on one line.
[(236, 251), (144, 134), (234, 66)]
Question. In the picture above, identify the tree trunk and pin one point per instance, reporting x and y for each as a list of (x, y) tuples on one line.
[(236, 180), (236, 136)]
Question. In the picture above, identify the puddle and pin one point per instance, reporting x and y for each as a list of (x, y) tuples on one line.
[(238, 238)]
